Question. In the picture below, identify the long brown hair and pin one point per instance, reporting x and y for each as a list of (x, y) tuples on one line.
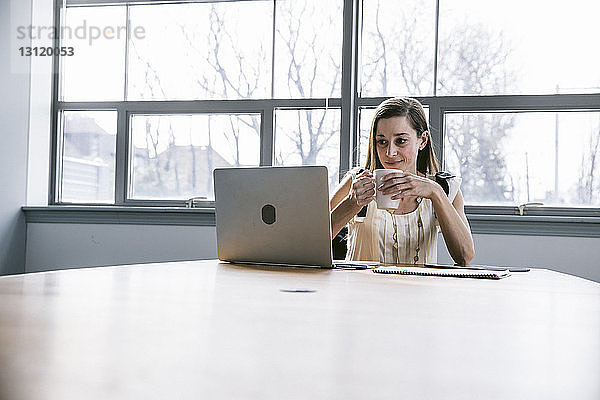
[(412, 109)]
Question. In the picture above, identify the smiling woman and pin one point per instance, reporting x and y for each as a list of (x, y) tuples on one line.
[(400, 141)]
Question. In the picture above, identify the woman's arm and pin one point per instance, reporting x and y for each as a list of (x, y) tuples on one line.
[(451, 216), (341, 192), (349, 198), (455, 226), (342, 214)]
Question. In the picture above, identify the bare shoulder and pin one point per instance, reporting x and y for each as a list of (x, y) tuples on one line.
[(458, 201)]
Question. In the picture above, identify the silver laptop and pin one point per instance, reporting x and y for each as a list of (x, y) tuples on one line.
[(273, 215)]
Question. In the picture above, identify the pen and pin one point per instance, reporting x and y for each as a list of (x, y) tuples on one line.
[(342, 266), (479, 267)]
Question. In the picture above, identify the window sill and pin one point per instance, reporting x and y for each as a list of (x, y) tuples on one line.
[(120, 215), (529, 225), (534, 225)]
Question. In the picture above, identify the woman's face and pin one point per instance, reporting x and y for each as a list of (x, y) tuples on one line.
[(397, 144)]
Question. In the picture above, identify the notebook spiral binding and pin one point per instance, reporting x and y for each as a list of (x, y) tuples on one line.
[(431, 273)]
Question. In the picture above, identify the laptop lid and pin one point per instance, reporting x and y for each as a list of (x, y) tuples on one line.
[(273, 215)]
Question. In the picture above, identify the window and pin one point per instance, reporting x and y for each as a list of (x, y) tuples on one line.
[(365, 120), (308, 137), (308, 48), (173, 156), (88, 147), (95, 71), (475, 66), (398, 47), (518, 47), (515, 158), (158, 94), (201, 51), (192, 86)]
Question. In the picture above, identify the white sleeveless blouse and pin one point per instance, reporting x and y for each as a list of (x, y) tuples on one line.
[(370, 238)]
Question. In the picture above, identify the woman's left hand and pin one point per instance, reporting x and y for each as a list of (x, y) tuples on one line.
[(404, 184)]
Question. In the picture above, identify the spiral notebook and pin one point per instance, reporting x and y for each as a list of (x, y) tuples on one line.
[(454, 273)]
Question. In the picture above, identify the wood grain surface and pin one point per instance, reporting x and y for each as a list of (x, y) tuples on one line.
[(208, 330)]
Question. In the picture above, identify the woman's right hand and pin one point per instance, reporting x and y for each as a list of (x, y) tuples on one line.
[(363, 188)]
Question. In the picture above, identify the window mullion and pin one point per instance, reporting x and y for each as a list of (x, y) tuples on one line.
[(348, 134), (273, 51), (436, 46), (54, 129), (121, 156), (436, 128), (127, 39), (266, 136)]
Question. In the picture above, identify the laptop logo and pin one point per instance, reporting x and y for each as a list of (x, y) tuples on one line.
[(268, 214)]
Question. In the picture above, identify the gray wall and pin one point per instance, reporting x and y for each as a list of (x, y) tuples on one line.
[(14, 124), (58, 246), (51, 246)]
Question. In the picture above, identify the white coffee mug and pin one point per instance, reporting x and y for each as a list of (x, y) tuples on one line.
[(384, 201)]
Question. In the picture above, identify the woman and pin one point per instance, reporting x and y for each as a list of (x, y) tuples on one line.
[(400, 140)]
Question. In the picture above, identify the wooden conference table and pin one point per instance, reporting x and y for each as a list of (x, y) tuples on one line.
[(206, 330)]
